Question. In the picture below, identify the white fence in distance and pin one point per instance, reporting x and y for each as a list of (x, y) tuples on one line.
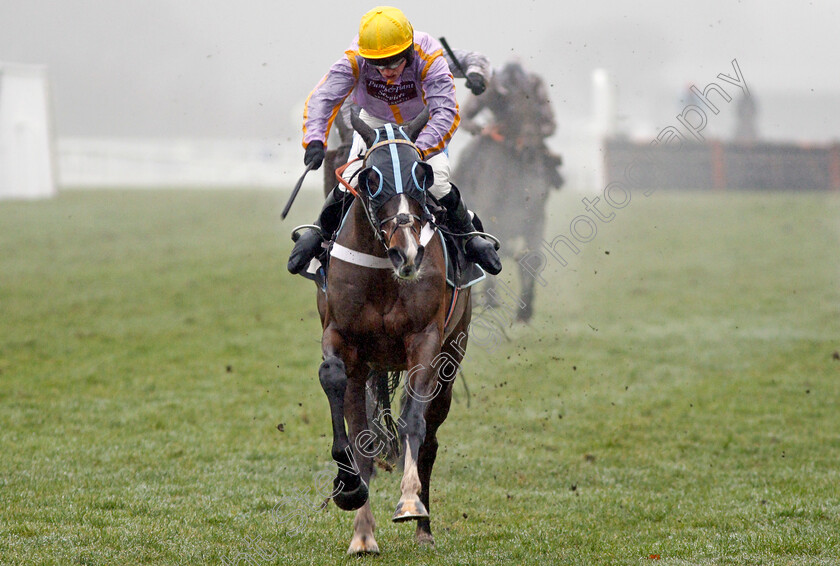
[(179, 163)]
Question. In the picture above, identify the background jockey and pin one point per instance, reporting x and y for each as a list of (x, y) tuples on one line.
[(521, 117), (392, 74)]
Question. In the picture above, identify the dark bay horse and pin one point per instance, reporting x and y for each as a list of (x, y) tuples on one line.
[(387, 308), (508, 171), (511, 191)]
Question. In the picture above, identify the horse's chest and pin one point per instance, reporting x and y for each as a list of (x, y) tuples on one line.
[(391, 318), (396, 321), (372, 317)]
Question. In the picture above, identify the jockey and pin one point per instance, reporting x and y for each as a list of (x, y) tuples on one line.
[(522, 118), (470, 65), (392, 74)]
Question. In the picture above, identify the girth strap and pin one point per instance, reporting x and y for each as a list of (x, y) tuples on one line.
[(366, 260), (358, 258)]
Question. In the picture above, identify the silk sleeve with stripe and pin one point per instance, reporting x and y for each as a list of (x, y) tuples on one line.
[(439, 94), (471, 62), (324, 102)]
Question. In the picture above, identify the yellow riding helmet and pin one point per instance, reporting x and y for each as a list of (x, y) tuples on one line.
[(384, 32)]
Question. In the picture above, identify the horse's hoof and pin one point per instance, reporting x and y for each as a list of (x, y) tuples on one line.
[(352, 500), (363, 544), (425, 539), (525, 314), (410, 510)]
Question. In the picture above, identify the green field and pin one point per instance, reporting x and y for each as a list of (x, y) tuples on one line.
[(674, 401)]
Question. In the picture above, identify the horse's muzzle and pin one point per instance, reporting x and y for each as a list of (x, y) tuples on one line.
[(405, 269)]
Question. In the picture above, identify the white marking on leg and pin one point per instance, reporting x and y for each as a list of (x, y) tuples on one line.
[(363, 529), (410, 484)]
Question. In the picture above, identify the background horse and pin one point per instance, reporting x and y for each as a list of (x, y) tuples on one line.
[(507, 172), (385, 308)]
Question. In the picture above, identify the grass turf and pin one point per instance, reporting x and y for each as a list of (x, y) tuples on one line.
[(674, 399)]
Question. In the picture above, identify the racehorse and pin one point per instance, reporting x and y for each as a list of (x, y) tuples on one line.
[(512, 193), (387, 307), (507, 171)]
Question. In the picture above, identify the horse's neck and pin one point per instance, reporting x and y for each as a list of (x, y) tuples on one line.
[(369, 284)]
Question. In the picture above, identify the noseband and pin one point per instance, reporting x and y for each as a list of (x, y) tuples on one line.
[(402, 219)]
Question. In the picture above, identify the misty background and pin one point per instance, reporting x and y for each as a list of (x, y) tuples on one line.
[(157, 69)]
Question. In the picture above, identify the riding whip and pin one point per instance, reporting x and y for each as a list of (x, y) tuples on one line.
[(309, 168), (452, 56)]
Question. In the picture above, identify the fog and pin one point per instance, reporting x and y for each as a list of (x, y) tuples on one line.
[(188, 68)]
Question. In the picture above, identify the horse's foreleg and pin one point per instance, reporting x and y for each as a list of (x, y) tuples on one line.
[(351, 492), (363, 528), (490, 298), (412, 435), (364, 443), (533, 237), (438, 410), (421, 382), (527, 293)]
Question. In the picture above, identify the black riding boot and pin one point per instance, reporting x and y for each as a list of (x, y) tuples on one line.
[(308, 245), (478, 249)]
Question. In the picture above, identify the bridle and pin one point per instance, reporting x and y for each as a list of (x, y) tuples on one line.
[(401, 219)]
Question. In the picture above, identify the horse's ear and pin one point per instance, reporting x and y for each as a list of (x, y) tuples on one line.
[(416, 126), (368, 134)]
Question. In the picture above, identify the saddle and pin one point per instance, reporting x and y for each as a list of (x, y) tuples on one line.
[(460, 272)]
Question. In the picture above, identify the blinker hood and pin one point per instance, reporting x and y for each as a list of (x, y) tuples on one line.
[(394, 168)]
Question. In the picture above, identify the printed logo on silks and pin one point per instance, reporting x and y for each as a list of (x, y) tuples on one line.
[(392, 93)]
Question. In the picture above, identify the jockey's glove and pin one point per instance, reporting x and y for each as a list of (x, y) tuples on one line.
[(314, 154), (476, 83)]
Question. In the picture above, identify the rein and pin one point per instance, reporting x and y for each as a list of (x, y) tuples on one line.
[(340, 171), (355, 193)]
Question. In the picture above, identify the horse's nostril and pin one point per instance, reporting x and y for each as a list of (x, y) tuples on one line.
[(419, 257), (396, 256)]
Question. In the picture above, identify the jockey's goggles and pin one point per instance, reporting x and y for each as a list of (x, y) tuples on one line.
[(390, 66)]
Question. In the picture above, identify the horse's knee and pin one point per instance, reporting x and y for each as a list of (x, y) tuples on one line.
[(412, 423), (333, 377), (430, 446)]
